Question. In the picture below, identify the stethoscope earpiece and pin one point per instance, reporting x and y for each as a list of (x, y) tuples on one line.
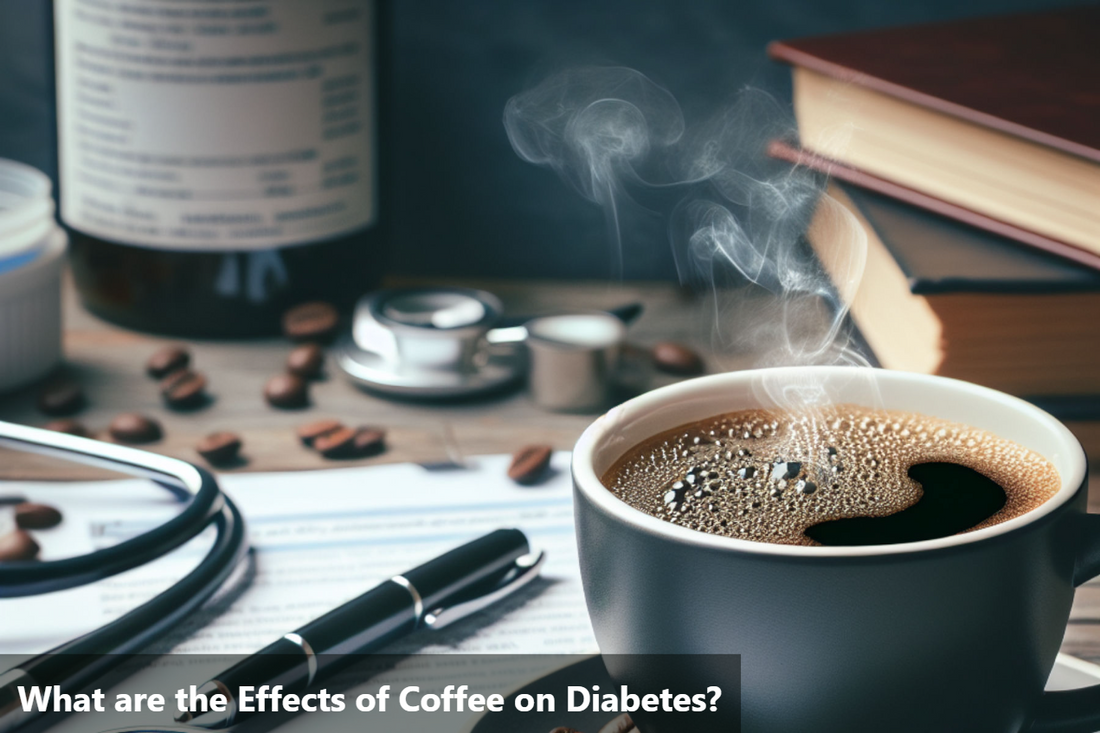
[(438, 343), (430, 343)]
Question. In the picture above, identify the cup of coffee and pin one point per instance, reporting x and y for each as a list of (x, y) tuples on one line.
[(902, 557)]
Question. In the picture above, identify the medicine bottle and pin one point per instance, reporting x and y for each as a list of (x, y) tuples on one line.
[(221, 160)]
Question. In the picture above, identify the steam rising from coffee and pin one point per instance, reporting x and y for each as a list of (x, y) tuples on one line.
[(617, 137)]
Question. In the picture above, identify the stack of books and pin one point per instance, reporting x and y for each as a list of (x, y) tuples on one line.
[(969, 153)]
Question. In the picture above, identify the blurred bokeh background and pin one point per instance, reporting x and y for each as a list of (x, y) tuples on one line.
[(463, 204)]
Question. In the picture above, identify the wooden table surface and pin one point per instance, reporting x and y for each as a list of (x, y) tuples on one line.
[(108, 362)]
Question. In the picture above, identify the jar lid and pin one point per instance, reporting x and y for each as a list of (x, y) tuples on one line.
[(32, 250), (26, 211)]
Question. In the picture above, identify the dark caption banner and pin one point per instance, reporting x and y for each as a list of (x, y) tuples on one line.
[(443, 693)]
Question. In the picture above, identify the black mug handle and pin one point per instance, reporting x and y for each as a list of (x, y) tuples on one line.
[(1075, 711)]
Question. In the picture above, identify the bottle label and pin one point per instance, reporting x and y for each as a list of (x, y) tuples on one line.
[(216, 124)]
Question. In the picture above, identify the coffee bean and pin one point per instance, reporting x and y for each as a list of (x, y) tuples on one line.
[(306, 361), (343, 442), (36, 516), (184, 389), (130, 427), (676, 359), (620, 724), (176, 376), (340, 443), (288, 391), (563, 729), (369, 441), (311, 431), (68, 426), (167, 360), (60, 397), (529, 463), (311, 321), (220, 448), (17, 545)]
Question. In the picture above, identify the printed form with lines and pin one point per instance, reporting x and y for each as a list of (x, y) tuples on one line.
[(320, 538)]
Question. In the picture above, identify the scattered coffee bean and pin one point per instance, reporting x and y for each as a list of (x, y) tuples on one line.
[(36, 516), (344, 442), (184, 389), (340, 443), (529, 463), (620, 724), (369, 441), (287, 391), (69, 427), (220, 448), (676, 359), (167, 360), (175, 377), (60, 397), (306, 361), (311, 321), (311, 431), (131, 427), (17, 545)]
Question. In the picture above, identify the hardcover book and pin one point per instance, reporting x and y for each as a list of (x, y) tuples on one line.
[(990, 120), (939, 297)]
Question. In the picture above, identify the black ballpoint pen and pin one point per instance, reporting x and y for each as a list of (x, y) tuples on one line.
[(433, 595)]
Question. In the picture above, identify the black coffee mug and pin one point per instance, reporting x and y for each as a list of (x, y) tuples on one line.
[(953, 634)]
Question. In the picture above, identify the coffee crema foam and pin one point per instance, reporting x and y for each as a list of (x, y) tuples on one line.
[(769, 475)]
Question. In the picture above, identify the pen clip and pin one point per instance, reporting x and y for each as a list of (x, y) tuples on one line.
[(526, 569)]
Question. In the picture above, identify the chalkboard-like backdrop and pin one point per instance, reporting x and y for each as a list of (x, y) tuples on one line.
[(464, 204)]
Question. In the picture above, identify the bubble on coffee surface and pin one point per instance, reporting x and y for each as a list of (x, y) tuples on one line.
[(769, 475)]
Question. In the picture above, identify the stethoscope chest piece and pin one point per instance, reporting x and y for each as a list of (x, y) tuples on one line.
[(429, 343)]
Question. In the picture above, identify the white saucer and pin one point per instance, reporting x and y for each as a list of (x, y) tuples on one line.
[(496, 367), (1069, 673)]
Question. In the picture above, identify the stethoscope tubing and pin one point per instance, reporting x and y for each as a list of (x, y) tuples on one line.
[(111, 644), (167, 728), (80, 661), (181, 478)]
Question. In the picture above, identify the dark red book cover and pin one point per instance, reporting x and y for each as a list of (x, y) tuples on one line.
[(784, 151), (1034, 75)]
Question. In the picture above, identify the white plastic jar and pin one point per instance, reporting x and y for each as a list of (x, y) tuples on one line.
[(32, 247)]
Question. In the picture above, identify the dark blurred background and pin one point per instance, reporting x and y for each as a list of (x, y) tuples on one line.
[(463, 204)]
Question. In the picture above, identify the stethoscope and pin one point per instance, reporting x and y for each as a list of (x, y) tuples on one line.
[(451, 342), (435, 343), (76, 663)]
